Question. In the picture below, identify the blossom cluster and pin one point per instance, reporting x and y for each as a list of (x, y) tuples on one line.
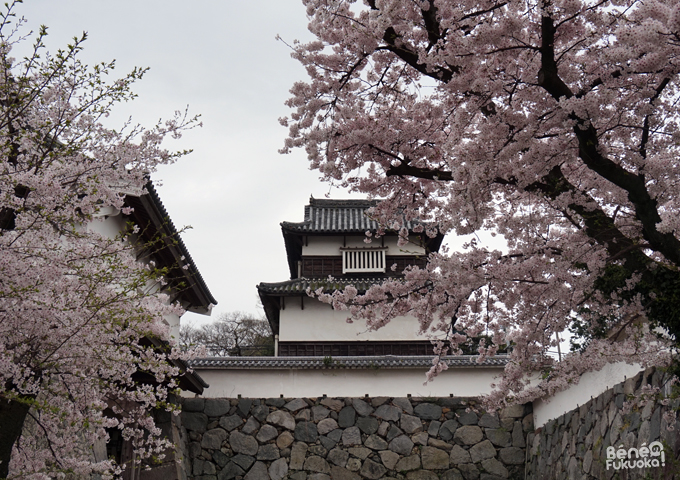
[(75, 305), (553, 125)]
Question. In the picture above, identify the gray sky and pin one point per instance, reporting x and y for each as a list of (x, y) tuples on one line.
[(221, 59)]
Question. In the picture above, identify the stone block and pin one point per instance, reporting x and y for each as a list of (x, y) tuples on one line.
[(372, 470), (393, 432), (434, 458), (341, 473), (388, 412), (332, 403), (368, 425), (275, 402), (198, 422), (244, 405), (494, 467), (469, 471), (328, 443), (314, 463), (318, 476), (361, 407), (482, 451), (359, 452), (347, 417), (251, 426), (411, 424), (374, 442), (513, 411), (306, 432), (244, 444), (295, 405), (212, 439), (260, 412), (319, 413), (512, 456), (317, 450), (404, 404), (326, 425), (284, 440), (351, 436), (266, 433), (468, 418), (353, 464), (468, 435), (459, 455), (278, 469), (453, 474), (421, 475), (338, 457), (268, 452), (220, 458), (243, 461), (297, 456), (257, 472), (216, 407), (428, 411), (406, 464), (193, 404), (433, 428), (401, 445), (281, 419), (389, 459), (499, 437), (489, 421), (440, 444), (304, 415), (420, 438), (232, 470)]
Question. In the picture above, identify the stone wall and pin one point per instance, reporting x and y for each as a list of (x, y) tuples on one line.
[(353, 438), (574, 446)]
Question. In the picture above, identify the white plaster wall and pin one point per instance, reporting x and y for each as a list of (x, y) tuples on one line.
[(465, 382), (331, 245), (590, 386), (319, 322), (108, 223), (173, 322)]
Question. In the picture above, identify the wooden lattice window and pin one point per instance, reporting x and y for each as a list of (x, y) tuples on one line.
[(360, 260)]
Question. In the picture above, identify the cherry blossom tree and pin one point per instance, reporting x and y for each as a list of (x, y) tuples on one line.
[(552, 124), (82, 342)]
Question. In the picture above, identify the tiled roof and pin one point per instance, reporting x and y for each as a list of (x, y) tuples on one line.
[(150, 208), (196, 274), (300, 285), (316, 363), (336, 216)]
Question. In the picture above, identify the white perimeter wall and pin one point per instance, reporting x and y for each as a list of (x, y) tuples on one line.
[(319, 322), (590, 386), (331, 245), (465, 382)]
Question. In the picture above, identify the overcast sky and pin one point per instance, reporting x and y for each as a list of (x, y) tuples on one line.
[(222, 59)]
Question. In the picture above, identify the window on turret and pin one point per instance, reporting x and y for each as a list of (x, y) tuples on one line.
[(360, 260)]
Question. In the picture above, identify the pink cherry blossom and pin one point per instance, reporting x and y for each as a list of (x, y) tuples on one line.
[(76, 308), (552, 124)]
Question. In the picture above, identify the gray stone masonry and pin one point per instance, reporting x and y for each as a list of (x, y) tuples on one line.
[(574, 446), (353, 439)]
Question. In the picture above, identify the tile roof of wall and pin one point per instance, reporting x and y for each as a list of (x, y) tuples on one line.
[(316, 363)]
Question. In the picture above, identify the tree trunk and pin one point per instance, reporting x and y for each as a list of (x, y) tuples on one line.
[(12, 416)]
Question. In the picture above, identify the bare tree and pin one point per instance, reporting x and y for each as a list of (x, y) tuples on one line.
[(232, 334)]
